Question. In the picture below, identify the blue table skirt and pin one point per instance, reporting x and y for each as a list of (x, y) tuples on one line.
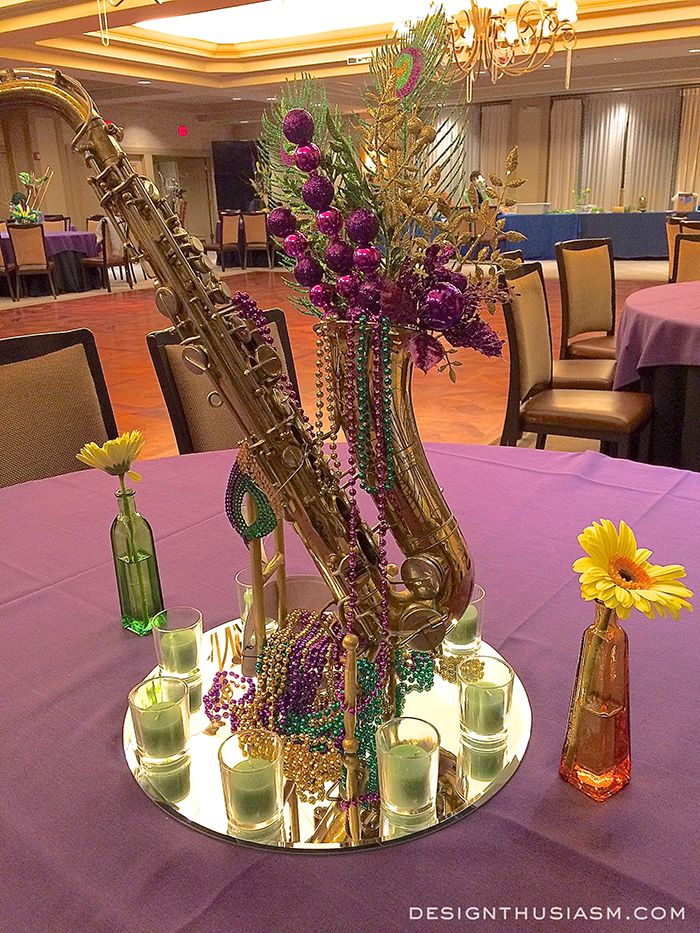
[(634, 236)]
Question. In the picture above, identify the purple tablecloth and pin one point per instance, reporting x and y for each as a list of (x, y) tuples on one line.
[(83, 849), (659, 326), (60, 242)]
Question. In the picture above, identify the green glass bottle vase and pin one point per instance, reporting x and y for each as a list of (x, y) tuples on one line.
[(136, 566)]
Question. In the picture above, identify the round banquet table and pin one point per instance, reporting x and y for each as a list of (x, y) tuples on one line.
[(658, 351), (83, 849), (65, 249)]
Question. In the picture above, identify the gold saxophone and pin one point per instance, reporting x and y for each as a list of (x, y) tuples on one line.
[(246, 373)]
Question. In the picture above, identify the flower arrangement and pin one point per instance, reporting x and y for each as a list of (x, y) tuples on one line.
[(377, 217), (115, 457), (21, 214), (618, 574)]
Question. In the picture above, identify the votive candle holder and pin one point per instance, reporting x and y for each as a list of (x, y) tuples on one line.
[(161, 718), (252, 777), (408, 756), (178, 638), (485, 696), (464, 637)]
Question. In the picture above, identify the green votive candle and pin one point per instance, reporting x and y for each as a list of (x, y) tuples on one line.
[(161, 731), (170, 781), (194, 690), (485, 712), (484, 763), (179, 650), (407, 776), (466, 630), (251, 791)]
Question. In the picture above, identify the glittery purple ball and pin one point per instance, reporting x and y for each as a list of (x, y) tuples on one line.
[(329, 222), (318, 192), (295, 245), (347, 286), (368, 296), (281, 222), (339, 257), (321, 296), (367, 258), (362, 226), (307, 158), (441, 307), (308, 272), (298, 127)]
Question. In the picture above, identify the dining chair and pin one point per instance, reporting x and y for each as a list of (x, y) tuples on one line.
[(29, 247), (92, 223), (7, 271), (56, 223), (587, 284), (255, 236), (515, 255), (53, 400), (535, 404), (686, 258), (228, 239), (673, 228), (196, 424), (690, 226), (110, 257)]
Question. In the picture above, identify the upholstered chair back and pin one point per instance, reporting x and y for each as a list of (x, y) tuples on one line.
[(255, 229), (28, 245), (686, 258), (529, 335), (229, 228), (587, 281)]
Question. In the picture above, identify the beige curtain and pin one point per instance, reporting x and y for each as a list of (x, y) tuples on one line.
[(495, 133), (652, 140), (604, 125), (564, 152), (463, 159), (688, 172)]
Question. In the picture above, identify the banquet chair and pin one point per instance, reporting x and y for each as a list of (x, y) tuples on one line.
[(110, 257), (690, 226), (29, 247), (56, 223), (686, 258), (673, 228), (535, 404), (228, 238), (255, 236), (196, 424), (92, 223), (7, 271), (515, 255), (53, 400), (587, 283)]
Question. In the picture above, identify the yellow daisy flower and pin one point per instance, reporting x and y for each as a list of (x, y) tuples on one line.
[(115, 457), (618, 574)]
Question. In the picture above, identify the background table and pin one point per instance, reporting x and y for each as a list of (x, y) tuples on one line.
[(658, 348), (634, 235), (65, 249), (83, 849)]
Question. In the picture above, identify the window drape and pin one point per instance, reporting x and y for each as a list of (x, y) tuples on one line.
[(605, 119), (495, 133), (688, 172), (564, 152), (652, 142), (465, 158)]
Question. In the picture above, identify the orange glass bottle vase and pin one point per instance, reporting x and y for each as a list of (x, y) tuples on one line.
[(596, 755)]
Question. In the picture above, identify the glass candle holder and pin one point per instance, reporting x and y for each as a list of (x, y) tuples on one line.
[(408, 754), (252, 778), (464, 638), (485, 695), (170, 780), (244, 592), (178, 637), (161, 716), (481, 761)]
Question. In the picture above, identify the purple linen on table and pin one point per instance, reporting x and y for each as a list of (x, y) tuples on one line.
[(59, 242), (659, 326), (83, 849)]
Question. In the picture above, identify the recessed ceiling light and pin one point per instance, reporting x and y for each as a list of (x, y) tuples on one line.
[(144, 82), (618, 89), (693, 51), (616, 59), (244, 121), (546, 66), (270, 98), (236, 98)]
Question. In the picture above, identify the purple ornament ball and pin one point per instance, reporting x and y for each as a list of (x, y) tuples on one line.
[(339, 257), (308, 272), (329, 222), (281, 222), (298, 127), (367, 258), (321, 296), (441, 307), (295, 245), (362, 226), (307, 158), (318, 192), (368, 296), (347, 286)]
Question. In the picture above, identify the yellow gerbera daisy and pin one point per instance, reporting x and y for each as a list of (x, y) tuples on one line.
[(618, 574), (115, 457)]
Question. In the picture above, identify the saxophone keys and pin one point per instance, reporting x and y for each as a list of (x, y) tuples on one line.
[(168, 303), (196, 359)]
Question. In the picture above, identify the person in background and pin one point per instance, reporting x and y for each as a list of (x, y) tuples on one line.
[(479, 182)]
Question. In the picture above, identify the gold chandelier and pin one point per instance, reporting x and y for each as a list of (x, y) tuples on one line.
[(485, 37)]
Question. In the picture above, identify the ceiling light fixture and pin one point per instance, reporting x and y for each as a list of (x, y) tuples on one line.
[(144, 82), (693, 51), (485, 38)]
